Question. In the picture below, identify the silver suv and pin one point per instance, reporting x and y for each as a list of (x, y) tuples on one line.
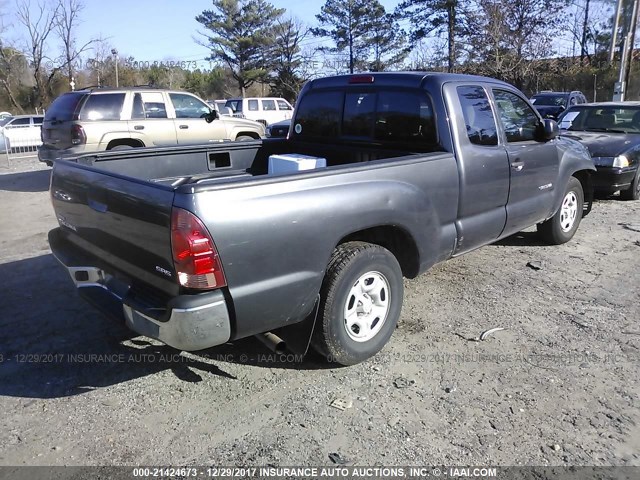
[(107, 119)]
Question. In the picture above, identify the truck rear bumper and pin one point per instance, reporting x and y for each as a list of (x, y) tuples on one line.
[(189, 322)]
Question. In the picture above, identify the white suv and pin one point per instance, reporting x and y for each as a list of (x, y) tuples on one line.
[(266, 110), (21, 133)]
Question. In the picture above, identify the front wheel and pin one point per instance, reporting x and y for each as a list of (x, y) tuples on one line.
[(633, 192), (562, 226), (244, 138), (360, 303)]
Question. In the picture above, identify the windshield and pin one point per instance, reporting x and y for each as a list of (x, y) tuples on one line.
[(4, 121), (553, 100), (601, 119)]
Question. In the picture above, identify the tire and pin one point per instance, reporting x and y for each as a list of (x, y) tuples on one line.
[(563, 225), (352, 271), (121, 147), (244, 138), (633, 192)]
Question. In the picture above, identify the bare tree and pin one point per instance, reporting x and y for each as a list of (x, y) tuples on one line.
[(506, 35), (289, 59), (40, 22), (11, 64), (67, 20)]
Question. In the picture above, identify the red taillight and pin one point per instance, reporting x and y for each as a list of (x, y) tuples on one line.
[(78, 136), (194, 253), (361, 79)]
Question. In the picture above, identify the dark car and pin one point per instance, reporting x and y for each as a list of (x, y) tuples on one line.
[(278, 129), (611, 132), (552, 104)]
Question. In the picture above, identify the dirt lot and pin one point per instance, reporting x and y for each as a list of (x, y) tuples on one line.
[(558, 386)]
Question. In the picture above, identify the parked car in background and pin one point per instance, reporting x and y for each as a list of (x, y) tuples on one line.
[(219, 106), (5, 114), (278, 129), (611, 132), (22, 131), (4, 143), (107, 119), (266, 110), (551, 104)]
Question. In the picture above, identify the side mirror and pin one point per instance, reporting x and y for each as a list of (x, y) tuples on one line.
[(548, 129), (211, 116)]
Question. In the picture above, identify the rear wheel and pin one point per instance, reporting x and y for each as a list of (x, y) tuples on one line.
[(121, 147), (360, 304), (633, 192), (563, 225), (244, 138)]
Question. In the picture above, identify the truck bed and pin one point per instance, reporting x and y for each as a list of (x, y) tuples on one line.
[(228, 162)]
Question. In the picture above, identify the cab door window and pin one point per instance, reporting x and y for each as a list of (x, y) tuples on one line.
[(519, 121), (188, 106), (268, 105)]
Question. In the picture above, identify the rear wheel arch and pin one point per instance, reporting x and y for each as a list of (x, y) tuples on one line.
[(395, 239), (125, 142)]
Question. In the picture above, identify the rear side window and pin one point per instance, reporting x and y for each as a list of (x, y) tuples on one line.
[(38, 120), (148, 105), (319, 114), (64, 107), (478, 117), (20, 122), (405, 117), (103, 106), (359, 111), (389, 116)]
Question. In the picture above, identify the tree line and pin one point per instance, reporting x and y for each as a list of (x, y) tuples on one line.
[(256, 48)]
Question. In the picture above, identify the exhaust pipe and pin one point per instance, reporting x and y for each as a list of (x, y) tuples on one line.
[(273, 342)]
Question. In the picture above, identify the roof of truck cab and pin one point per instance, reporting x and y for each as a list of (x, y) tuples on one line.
[(406, 79)]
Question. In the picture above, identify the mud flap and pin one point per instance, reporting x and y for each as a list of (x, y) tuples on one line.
[(588, 197), (298, 336)]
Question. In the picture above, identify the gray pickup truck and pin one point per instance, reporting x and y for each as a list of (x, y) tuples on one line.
[(197, 246)]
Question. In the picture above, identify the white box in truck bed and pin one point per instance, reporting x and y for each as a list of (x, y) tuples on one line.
[(294, 162)]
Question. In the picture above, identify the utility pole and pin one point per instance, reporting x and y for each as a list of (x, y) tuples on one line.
[(114, 52), (631, 37), (625, 25)]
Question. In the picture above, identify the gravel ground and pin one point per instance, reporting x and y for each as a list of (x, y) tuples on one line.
[(557, 386)]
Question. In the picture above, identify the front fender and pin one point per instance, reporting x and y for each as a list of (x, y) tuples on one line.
[(573, 158)]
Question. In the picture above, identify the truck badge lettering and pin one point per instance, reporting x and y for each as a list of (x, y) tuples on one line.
[(163, 271), (64, 223)]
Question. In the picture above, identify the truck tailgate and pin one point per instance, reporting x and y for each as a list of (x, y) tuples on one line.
[(122, 222)]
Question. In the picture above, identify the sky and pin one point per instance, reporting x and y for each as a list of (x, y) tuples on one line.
[(161, 30)]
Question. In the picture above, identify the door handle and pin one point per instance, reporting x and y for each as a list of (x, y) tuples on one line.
[(139, 127), (184, 127), (517, 166)]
